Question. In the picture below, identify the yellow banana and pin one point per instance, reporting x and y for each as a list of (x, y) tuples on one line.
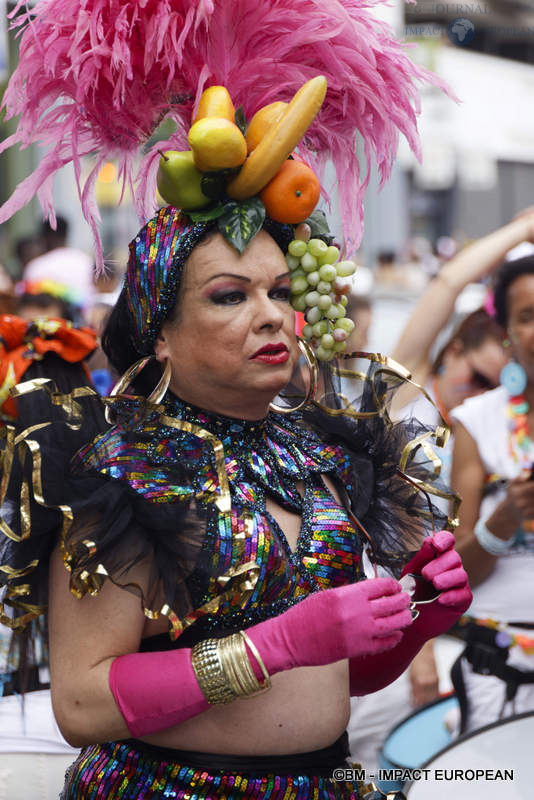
[(278, 143)]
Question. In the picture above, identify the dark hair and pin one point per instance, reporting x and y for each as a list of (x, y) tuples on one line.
[(55, 238), (118, 336), (43, 301), (471, 333), (23, 247), (509, 272), (386, 257)]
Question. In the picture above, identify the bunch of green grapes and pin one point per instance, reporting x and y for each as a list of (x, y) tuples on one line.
[(319, 289)]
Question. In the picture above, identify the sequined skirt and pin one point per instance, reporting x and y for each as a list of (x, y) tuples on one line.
[(133, 770)]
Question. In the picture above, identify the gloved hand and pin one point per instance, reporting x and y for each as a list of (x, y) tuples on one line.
[(441, 567), (155, 691), (441, 570), (360, 619)]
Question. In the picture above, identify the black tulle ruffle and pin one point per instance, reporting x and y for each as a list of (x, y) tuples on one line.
[(102, 521)]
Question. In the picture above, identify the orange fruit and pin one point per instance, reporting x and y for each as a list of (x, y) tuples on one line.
[(292, 194), (216, 144), (215, 102), (262, 120)]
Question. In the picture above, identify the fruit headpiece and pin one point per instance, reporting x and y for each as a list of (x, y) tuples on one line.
[(97, 78)]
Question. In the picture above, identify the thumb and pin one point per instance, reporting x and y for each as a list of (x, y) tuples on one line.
[(421, 558)]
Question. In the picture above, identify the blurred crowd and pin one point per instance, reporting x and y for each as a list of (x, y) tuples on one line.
[(55, 279)]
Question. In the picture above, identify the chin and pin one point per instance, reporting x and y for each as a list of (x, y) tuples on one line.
[(274, 383)]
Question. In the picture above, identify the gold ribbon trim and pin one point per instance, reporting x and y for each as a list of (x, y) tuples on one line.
[(224, 501)]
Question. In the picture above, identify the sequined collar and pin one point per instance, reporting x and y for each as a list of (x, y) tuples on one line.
[(273, 454), (219, 425)]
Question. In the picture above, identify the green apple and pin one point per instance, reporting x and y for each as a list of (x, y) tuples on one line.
[(179, 180)]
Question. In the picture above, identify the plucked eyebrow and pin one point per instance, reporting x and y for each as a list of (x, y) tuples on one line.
[(241, 277)]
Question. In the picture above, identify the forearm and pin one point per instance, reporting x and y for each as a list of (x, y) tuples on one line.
[(478, 259), (85, 709), (478, 563), (130, 695), (370, 673), (437, 303)]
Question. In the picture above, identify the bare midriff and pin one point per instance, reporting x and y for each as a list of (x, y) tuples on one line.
[(306, 709)]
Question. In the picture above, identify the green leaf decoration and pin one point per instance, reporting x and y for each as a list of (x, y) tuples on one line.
[(207, 214), (241, 120), (240, 222), (319, 226)]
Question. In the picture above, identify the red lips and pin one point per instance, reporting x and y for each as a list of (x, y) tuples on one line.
[(271, 349)]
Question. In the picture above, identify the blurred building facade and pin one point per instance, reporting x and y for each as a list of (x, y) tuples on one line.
[(477, 169)]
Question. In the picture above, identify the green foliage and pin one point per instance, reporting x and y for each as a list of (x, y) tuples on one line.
[(241, 120), (319, 226), (240, 222)]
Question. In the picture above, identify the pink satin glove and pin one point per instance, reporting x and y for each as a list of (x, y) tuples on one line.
[(155, 691), (360, 619), (441, 567), (441, 570)]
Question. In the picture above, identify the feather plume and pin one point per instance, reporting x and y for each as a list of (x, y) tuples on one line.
[(96, 78)]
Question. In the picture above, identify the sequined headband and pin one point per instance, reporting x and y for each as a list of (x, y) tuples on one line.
[(155, 264)]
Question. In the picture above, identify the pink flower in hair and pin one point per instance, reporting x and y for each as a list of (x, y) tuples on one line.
[(489, 304)]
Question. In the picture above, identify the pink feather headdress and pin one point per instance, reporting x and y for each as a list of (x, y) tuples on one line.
[(97, 77)]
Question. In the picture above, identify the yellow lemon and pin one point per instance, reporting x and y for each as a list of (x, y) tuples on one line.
[(215, 102), (217, 144), (262, 120)]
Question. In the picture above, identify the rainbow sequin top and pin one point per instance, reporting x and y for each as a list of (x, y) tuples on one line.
[(226, 468)]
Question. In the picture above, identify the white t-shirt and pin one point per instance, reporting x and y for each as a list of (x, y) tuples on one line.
[(507, 595), (29, 727)]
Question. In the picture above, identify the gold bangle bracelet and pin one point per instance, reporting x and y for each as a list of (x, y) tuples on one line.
[(209, 672), (254, 650), (236, 664), (227, 655)]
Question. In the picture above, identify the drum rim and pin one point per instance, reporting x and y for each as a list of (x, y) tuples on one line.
[(470, 735), (442, 699)]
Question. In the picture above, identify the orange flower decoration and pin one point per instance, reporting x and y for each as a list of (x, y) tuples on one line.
[(23, 341)]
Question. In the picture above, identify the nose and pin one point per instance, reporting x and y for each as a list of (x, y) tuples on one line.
[(269, 314)]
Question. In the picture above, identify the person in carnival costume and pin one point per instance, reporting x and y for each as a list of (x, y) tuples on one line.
[(33, 754), (209, 611)]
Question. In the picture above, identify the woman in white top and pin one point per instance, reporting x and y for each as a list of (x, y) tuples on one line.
[(469, 362), (492, 463)]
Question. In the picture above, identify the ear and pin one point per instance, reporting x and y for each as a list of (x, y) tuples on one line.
[(161, 347)]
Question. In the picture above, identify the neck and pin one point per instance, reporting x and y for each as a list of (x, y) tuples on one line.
[(238, 406)]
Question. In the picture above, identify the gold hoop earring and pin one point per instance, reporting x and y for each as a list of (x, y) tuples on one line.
[(311, 362), (155, 397)]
